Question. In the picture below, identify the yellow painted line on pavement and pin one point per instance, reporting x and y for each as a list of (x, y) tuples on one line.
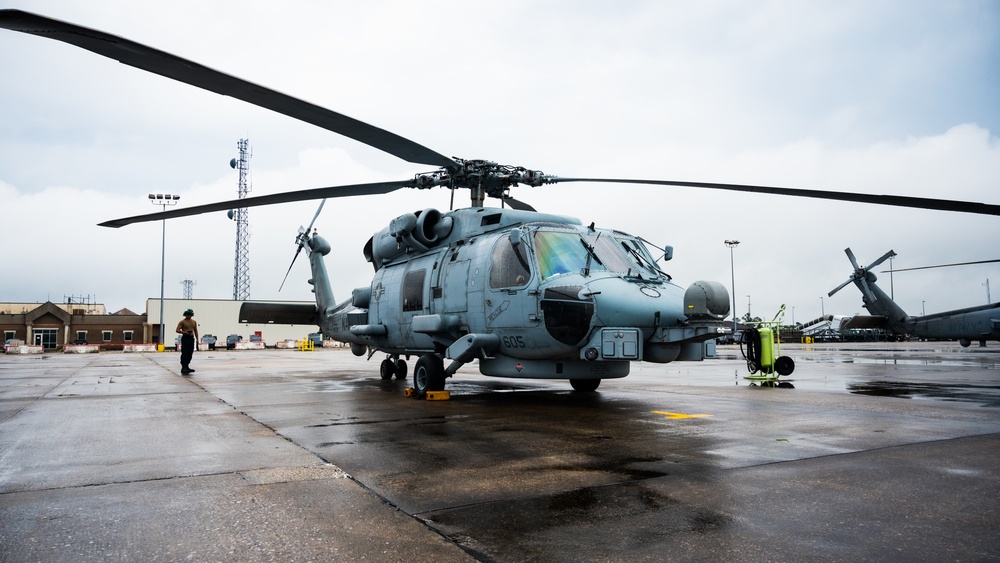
[(679, 415)]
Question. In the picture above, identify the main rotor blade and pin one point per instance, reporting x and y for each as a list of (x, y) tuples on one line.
[(286, 197), (171, 66), (518, 204), (943, 265), (894, 200)]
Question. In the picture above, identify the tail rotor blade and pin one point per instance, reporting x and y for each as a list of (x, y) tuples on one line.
[(850, 255), (301, 239), (839, 287), (318, 210), (884, 257), (297, 251)]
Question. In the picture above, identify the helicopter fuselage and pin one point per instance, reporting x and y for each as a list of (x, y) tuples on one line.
[(526, 294)]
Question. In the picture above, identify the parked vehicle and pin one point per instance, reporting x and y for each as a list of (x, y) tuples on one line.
[(210, 340), (231, 341)]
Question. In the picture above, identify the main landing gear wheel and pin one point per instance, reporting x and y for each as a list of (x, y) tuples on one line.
[(400, 369), (428, 374), (585, 385), (387, 368)]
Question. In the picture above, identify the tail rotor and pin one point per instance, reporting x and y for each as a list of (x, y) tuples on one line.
[(301, 240), (861, 276)]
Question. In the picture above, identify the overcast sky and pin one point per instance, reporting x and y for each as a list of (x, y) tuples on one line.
[(874, 97)]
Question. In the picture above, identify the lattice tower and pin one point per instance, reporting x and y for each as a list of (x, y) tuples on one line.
[(241, 274)]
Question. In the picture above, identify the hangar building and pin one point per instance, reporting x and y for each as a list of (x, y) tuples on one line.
[(53, 325)]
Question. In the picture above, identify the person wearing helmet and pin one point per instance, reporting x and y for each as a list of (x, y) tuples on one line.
[(188, 329)]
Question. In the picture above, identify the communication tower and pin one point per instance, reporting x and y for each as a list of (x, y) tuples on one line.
[(188, 287), (241, 274)]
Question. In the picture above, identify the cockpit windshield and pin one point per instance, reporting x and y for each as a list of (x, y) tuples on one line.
[(561, 252)]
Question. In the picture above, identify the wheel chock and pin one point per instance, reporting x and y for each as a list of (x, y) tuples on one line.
[(411, 393)]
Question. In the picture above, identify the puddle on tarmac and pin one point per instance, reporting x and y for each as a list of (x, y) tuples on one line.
[(985, 395)]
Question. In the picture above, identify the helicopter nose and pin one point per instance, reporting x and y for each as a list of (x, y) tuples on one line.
[(621, 303)]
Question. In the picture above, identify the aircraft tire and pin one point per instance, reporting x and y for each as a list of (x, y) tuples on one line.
[(585, 385), (400, 369), (386, 369), (428, 374)]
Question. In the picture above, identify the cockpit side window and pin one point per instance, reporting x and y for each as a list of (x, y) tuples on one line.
[(510, 265)]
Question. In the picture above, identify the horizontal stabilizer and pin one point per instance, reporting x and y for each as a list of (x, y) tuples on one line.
[(864, 321), (279, 313)]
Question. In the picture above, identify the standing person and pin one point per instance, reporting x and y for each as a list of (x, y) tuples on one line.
[(188, 329)]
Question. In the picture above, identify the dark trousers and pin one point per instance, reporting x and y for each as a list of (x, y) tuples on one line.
[(187, 350)]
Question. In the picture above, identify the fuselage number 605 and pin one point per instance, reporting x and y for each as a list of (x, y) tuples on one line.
[(514, 342)]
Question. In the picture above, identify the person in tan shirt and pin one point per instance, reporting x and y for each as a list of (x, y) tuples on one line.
[(188, 329)]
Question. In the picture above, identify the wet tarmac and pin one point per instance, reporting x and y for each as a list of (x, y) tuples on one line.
[(881, 451)]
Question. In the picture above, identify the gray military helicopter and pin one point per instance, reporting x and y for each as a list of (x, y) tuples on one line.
[(980, 323), (527, 294)]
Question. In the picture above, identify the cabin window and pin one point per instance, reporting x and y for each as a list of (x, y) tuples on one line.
[(413, 290), (510, 265)]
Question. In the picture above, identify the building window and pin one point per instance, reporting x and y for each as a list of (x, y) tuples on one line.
[(45, 337), (107, 335), (128, 336), (8, 335), (81, 335)]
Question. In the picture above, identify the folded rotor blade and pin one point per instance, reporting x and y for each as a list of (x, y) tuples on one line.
[(171, 66), (286, 197), (894, 200)]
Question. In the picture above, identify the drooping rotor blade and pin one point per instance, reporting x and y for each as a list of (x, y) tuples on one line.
[(301, 240), (286, 197), (943, 265), (518, 204), (894, 200), (171, 66)]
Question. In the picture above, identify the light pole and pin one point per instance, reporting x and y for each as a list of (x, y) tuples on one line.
[(822, 308), (749, 315), (892, 288), (163, 200), (732, 244)]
